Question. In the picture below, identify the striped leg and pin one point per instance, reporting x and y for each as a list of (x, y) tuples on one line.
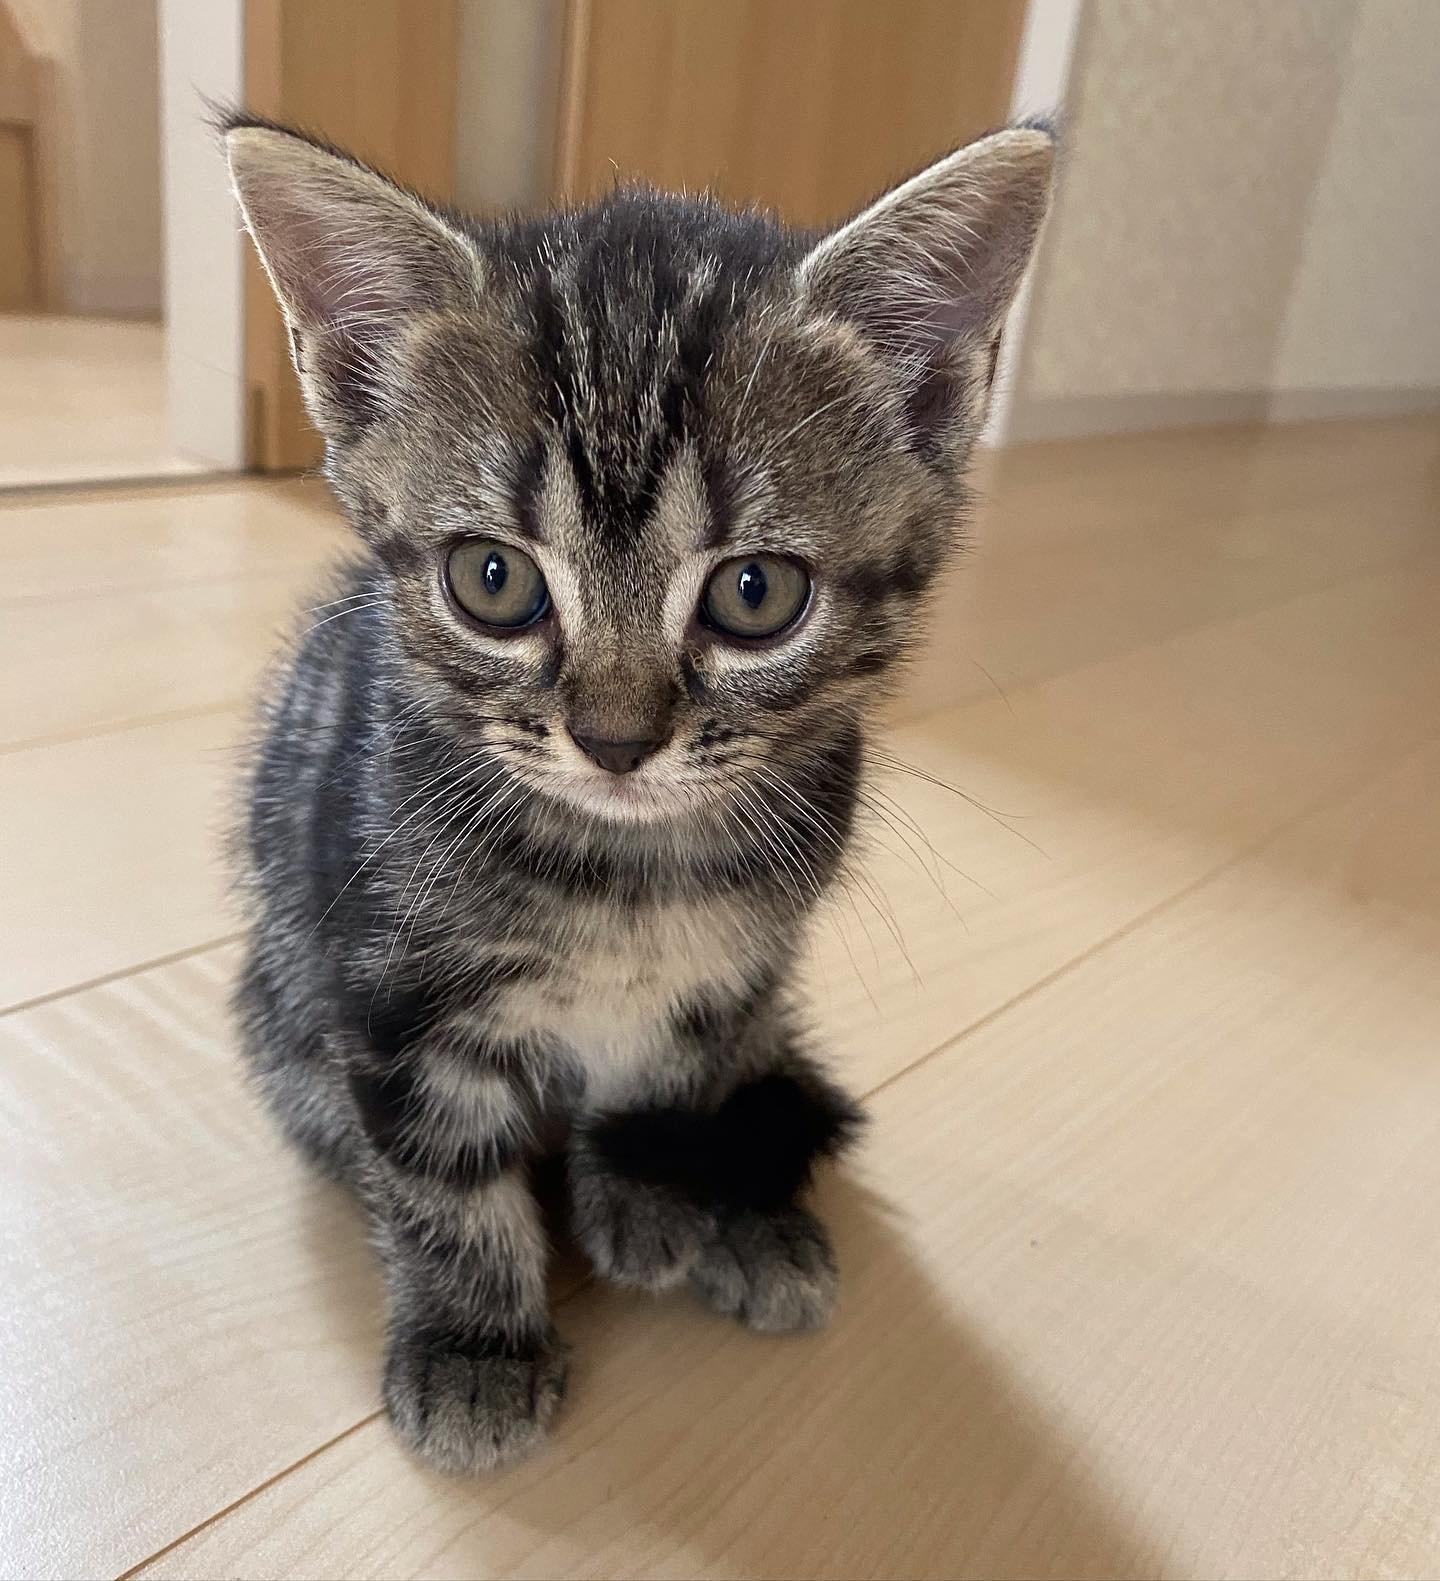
[(474, 1370), (708, 1193)]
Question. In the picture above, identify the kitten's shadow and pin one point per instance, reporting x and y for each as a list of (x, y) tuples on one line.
[(895, 1444)]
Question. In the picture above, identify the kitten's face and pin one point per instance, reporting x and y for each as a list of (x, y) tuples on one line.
[(658, 488), (715, 577)]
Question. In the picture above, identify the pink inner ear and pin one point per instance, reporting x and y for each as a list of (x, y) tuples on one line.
[(349, 273), (354, 259), (348, 254), (958, 288), (331, 280), (933, 266), (956, 312)]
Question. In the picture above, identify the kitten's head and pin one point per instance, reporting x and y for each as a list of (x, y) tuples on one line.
[(657, 488)]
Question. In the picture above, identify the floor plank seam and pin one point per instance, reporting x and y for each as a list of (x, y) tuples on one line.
[(106, 978), (1246, 853), (64, 738), (245, 1498), (1183, 1065), (1023, 683)]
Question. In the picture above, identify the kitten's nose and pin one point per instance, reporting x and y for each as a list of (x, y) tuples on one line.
[(620, 757)]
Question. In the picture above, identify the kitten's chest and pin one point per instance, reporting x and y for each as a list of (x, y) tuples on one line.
[(613, 982)]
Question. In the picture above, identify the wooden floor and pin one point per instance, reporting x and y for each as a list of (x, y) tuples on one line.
[(83, 398), (1142, 1254)]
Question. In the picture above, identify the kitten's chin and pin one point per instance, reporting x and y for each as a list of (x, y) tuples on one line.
[(627, 799)]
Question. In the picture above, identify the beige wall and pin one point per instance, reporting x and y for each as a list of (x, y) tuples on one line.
[(107, 86), (1365, 309), (1249, 204), (1196, 130)]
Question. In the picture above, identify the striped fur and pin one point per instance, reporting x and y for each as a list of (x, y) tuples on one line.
[(470, 946)]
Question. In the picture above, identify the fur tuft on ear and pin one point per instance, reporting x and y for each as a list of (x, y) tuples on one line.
[(353, 258), (928, 271)]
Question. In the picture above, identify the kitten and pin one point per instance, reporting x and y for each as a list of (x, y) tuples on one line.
[(649, 495)]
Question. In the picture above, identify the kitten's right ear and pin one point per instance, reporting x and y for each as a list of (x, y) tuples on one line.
[(353, 258)]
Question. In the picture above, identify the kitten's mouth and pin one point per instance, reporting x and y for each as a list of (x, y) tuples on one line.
[(624, 798)]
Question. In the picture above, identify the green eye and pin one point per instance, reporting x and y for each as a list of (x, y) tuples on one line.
[(756, 595), (497, 584)]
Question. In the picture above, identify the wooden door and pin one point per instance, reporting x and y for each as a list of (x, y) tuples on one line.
[(379, 79), (29, 246), (809, 107), (19, 231)]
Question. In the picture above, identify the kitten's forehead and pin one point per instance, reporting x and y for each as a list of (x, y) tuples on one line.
[(644, 582), (629, 317), (675, 521)]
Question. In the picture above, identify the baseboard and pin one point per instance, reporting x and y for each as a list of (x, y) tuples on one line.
[(1301, 406), (1080, 416), (1086, 416)]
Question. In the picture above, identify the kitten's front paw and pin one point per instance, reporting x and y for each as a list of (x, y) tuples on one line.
[(644, 1236), (473, 1406), (771, 1271)]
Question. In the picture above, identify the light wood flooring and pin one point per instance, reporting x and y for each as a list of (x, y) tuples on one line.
[(83, 399), (1142, 1251)]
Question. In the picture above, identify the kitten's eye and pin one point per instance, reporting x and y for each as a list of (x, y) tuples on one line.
[(496, 583), (756, 595)]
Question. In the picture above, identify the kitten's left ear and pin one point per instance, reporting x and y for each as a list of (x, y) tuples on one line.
[(928, 271)]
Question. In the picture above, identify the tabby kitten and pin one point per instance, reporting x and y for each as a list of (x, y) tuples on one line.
[(649, 494)]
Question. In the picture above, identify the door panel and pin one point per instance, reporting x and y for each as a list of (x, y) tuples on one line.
[(378, 79), (809, 107)]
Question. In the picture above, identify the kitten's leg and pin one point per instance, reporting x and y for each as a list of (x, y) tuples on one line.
[(665, 1192), (288, 1049), (635, 1225), (474, 1370), (772, 1269)]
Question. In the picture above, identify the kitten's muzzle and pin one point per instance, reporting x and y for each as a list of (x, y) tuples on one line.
[(618, 757)]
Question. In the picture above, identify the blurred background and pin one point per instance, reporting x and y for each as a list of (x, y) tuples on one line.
[(1247, 228), (1137, 975)]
